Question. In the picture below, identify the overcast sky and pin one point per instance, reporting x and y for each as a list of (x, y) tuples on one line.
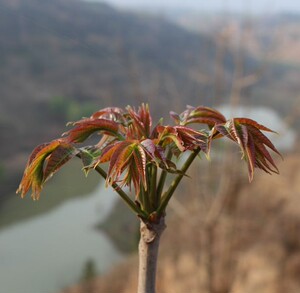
[(255, 6)]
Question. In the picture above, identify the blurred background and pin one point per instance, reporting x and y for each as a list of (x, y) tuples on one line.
[(64, 59)]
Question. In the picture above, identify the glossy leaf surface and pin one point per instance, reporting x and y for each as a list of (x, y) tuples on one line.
[(247, 134), (199, 115), (85, 128), (134, 150), (45, 160)]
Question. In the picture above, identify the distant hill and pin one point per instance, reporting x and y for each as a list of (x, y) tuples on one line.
[(273, 40), (62, 59)]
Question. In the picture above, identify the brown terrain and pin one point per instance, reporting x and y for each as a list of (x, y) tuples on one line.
[(233, 237), (251, 244)]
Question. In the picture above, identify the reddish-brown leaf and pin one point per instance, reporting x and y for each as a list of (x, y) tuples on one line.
[(175, 116), (246, 133), (123, 159), (190, 137), (253, 123), (146, 118), (250, 156), (261, 149), (107, 153), (201, 115), (60, 155), (110, 113), (140, 164), (259, 136), (33, 175), (167, 135), (86, 128), (36, 151), (150, 148), (113, 171), (141, 122)]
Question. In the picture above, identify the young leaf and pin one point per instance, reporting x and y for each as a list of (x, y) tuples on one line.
[(42, 164), (184, 138), (107, 152), (247, 134), (167, 135), (141, 122), (109, 113), (85, 128), (199, 115), (60, 155), (140, 164), (150, 147), (88, 155)]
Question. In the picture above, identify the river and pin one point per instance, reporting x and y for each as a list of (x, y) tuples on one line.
[(49, 252)]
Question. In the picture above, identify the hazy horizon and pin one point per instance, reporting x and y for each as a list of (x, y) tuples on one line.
[(254, 6)]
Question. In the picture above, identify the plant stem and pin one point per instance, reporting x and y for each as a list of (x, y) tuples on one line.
[(145, 199), (162, 178), (148, 252), (168, 194), (153, 194), (123, 195)]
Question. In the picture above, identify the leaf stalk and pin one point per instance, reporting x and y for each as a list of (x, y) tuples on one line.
[(123, 195), (168, 194)]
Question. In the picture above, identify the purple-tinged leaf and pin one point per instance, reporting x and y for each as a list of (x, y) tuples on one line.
[(265, 154), (259, 136), (175, 116), (250, 156), (247, 121), (149, 147)]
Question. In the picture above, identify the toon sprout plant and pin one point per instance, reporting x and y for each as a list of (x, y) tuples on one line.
[(139, 156)]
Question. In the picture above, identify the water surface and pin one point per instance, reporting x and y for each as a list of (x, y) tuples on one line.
[(49, 252)]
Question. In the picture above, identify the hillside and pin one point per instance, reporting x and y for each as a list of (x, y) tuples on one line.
[(63, 59), (271, 39), (253, 247)]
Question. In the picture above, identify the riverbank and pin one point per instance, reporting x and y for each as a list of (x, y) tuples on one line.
[(69, 183), (49, 252), (255, 245)]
